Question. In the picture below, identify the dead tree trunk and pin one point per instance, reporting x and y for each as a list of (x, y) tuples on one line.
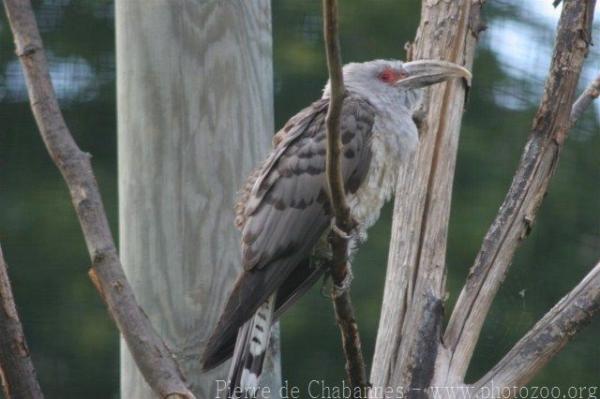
[(415, 282), (195, 113), (410, 351)]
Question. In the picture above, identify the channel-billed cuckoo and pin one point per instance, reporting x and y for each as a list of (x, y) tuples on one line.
[(283, 209)]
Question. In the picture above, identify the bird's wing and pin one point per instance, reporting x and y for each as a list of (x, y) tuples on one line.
[(286, 211), (288, 205), (295, 127)]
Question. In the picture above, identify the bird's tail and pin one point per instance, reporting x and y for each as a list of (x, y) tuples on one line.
[(250, 351)]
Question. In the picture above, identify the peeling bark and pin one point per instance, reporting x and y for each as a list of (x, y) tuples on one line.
[(416, 267)]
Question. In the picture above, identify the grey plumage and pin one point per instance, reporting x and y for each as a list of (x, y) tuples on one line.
[(283, 209)]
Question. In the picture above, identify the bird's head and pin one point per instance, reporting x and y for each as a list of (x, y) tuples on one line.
[(384, 81)]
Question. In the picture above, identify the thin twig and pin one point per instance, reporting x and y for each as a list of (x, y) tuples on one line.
[(547, 337), (355, 364), (338, 93), (538, 163), (152, 357), (586, 98), (16, 368)]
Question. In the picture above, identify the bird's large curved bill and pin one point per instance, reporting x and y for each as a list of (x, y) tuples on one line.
[(423, 73)]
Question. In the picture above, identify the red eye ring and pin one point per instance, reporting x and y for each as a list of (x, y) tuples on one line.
[(387, 76), (391, 76)]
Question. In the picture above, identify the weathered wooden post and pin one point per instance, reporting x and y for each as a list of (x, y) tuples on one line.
[(195, 113)]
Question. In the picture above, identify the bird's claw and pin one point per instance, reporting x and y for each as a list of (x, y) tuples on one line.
[(339, 289), (336, 229)]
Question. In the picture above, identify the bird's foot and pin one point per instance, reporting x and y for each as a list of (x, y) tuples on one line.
[(337, 230), (339, 289)]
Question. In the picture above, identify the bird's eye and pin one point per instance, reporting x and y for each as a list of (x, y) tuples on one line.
[(391, 76)]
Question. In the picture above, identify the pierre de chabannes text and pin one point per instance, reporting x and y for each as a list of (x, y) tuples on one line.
[(319, 389)]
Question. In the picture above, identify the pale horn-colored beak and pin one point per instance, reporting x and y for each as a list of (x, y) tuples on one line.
[(423, 73)]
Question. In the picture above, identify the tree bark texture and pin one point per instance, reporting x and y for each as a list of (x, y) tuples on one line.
[(547, 337), (150, 353), (356, 373), (591, 93), (17, 374), (195, 114), (410, 324), (538, 163), (410, 352)]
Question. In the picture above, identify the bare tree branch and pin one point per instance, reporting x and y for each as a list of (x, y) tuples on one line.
[(586, 98), (355, 364), (547, 337), (16, 369), (152, 356), (517, 213)]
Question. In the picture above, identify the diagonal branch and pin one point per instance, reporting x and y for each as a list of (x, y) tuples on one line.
[(151, 355), (538, 162), (16, 369), (547, 337), (355, 364), (586, 98)]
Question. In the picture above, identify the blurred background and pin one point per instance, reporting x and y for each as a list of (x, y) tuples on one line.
[(73, 342)]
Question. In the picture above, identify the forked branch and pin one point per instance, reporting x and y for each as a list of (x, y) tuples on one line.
[(343, 224), (559, 325), (16, 369), (149, 351), (529, 186)]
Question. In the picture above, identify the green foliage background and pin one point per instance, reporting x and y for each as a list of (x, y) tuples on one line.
[(73, 342)]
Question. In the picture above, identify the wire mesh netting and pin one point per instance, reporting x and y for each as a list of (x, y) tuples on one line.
[(73, 342)]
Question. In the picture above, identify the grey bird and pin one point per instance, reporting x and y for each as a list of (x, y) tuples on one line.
[(283, 209)]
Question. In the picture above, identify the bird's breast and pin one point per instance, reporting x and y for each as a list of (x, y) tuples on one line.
[(377, 188)]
